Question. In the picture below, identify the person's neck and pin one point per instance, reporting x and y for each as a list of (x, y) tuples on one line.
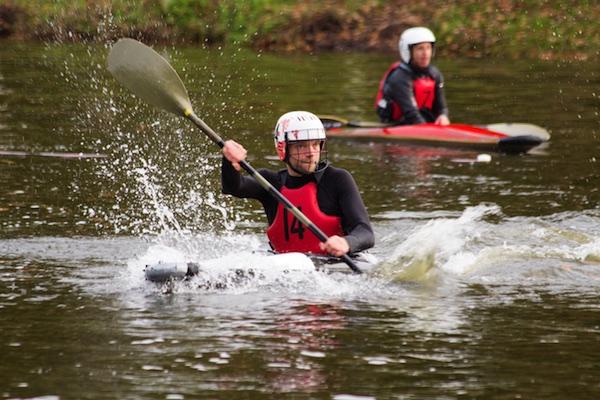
[(321, 166), (418, 68), (291, 172)]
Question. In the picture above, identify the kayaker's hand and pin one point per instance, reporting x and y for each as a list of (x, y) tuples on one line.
[(336, 246), (442, 120), (234, 152)]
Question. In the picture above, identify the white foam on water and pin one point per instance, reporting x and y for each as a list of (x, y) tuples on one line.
[(344, 396), (438, 245), (240, 272), (238, 264), (484, 246), (589, 251), (478, 246)]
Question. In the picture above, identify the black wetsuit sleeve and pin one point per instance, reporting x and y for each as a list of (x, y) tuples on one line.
[(238, 185), (439, 104), (355, 220), (246, 187), (399, 88)]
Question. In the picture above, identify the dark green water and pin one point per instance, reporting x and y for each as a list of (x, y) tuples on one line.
[(490, 273)]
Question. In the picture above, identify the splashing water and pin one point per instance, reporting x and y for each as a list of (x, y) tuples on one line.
[(157, 175), (481, 245), (439, 243)]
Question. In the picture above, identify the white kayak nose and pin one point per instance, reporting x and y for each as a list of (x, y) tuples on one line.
[(165, 271)]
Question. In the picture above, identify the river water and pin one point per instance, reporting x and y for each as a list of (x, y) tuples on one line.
[(489, 273)]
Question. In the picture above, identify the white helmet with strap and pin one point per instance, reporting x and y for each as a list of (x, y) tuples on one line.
[(413, 36), (296, 126)]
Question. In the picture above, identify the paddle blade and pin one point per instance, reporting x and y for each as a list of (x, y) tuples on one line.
[(520, 129), (149, 76), (333, 121)]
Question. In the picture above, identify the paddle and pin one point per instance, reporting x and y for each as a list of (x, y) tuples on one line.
[(333, 121), (150, 77), (519, 129), (509, 129), (15, 153)]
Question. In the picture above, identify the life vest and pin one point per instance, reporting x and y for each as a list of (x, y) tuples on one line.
[(423, 89), (287, 234)]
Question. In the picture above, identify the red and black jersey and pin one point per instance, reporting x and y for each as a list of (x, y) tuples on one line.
[(408, 95), (337, 198), (287, 233)]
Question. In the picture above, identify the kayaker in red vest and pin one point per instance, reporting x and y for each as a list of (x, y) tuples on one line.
[(412, 90), (328, 196)]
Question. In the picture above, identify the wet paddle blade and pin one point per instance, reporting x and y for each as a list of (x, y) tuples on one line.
[(333, 121), (520, 129), (149, 76)]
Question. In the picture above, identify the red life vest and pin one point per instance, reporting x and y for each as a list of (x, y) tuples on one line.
[(423, 89), (287, 234)]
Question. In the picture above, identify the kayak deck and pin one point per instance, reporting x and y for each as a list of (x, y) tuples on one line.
[(226, 269)]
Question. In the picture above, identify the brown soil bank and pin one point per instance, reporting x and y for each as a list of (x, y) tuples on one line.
[(497, 28), (550, 29)]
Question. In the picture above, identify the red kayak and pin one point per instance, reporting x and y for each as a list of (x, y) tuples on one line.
[(505, 138)]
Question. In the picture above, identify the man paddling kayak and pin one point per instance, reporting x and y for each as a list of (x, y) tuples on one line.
[(412, 90), (326, 195)]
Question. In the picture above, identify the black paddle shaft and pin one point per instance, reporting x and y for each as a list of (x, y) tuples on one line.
[(271, 189)]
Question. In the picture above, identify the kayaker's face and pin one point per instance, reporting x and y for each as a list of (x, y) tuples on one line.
[(304, 156), (421, 54)]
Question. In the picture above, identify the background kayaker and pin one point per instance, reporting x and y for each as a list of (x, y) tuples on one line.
[(412, 90), (326, 195)]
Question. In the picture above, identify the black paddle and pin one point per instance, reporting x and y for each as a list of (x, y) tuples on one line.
[(79, 156), (150, 77), (333, 121)]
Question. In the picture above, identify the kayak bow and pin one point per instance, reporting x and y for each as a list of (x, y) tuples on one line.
[(254, 265)]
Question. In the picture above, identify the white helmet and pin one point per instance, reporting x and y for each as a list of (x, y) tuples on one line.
[(296, 126), (413, 36)]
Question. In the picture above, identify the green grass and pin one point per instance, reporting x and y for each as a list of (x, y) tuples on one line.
[(494, 28)]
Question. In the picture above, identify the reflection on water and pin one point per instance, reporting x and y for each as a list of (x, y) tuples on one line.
[(486, 268)]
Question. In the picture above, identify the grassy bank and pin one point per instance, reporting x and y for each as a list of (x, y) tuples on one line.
[(551, 29)]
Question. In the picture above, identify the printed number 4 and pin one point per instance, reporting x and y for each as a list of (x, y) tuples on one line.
[(296, 226)]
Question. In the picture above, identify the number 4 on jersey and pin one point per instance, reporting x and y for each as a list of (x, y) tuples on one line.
[(295, 228)]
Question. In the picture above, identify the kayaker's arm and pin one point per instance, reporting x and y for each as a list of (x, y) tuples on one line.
[(440, 107), (241, 186), (234, 183), (335, 245), (235, 153), (355, 220), (361, 237)]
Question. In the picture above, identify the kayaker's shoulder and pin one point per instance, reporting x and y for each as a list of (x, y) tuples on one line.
[(273, 176), (336, 174), (434, 71), (403, 70)]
